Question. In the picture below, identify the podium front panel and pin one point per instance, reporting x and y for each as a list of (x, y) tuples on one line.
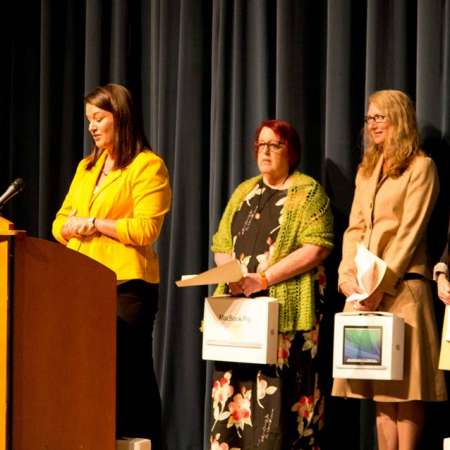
[(63, 359)]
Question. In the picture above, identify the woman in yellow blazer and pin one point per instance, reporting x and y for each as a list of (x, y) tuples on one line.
[(396, 189), (113, 213)]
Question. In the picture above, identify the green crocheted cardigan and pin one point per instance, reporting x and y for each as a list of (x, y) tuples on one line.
[(305, 219)]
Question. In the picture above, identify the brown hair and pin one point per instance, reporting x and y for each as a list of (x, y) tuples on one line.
[(402, 140), (129, 137), (288, 135)]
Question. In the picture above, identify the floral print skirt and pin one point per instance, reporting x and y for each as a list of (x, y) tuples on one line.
[(269, 407)]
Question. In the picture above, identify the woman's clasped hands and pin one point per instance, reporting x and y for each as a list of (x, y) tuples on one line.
[(370, 303), (247, 285), (78, 227)]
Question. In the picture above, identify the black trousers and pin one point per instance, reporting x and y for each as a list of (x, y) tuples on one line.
[(138, 400)]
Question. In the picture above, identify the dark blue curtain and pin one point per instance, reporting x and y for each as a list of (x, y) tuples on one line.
[(204, 73)]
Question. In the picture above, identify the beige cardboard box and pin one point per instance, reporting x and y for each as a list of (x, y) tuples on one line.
[(368, 346), (240, 329), (133, 444)]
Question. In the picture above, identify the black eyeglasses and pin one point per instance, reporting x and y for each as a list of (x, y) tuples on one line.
[(377, 118), (273, 147)]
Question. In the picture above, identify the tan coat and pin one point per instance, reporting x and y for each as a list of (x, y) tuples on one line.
[(390, 217)]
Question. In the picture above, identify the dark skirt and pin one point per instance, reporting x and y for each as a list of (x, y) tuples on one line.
[(270, 407)]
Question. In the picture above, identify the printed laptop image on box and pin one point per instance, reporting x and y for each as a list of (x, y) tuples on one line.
[(363, 345)]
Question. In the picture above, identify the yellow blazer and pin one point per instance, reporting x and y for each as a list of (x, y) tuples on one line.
[(138, 197), (390, 216)]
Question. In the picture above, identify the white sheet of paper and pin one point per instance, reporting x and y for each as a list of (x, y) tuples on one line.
[(447, 330), (228, 273), (370, 270)]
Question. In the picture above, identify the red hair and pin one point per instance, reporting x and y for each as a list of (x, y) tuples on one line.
[(288, 135)]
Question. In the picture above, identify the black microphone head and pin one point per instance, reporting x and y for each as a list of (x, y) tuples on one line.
[(19, 184), (14, 188)]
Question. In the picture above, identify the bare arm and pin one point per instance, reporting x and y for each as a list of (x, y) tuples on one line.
[(299, 261)]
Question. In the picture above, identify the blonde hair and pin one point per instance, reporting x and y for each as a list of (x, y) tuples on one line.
[(402, 141)]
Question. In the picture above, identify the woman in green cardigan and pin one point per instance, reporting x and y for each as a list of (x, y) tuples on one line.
[(279, 225)]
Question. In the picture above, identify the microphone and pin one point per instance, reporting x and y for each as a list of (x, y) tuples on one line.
[(14, 188)]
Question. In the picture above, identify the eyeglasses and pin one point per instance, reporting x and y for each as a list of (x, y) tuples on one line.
[(377, 118), (273, 147)]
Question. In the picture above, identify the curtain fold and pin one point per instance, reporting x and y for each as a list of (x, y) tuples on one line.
[(203, 75), (182, 110)]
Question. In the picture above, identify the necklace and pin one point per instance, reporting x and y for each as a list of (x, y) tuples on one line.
[(274, 191), (278, 186), (257, 206), (105, 169)]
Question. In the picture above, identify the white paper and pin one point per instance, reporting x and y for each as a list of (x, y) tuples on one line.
[(230, 272), (370, 270), (447, 330)]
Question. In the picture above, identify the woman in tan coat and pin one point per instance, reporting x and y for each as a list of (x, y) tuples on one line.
[(396, 189)]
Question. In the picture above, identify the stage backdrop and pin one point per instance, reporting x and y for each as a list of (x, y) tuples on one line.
[(204, 74)]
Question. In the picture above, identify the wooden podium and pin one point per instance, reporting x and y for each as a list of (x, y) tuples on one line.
[(57, 347)]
